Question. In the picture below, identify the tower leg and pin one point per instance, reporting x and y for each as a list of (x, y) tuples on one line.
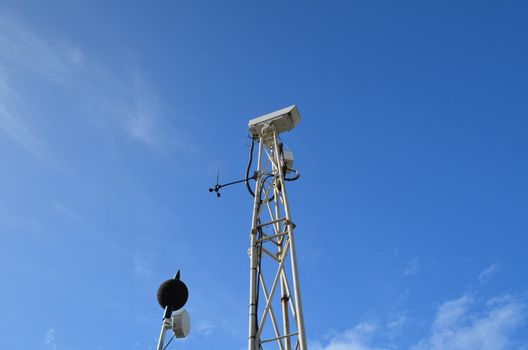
[(254, 261)]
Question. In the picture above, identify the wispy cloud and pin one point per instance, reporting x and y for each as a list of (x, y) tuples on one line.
[(396, 325), (412, 267), (487, 274), (142, 267), (358, 338), (67, 212), (49, 339), (205, 327), (120, 97), (50, 59), (16, 127), (465, 323), (461, 324), (143, 119)]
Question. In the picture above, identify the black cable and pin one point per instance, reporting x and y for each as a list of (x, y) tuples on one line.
[(165, 347), (296, 177), (249, 168)]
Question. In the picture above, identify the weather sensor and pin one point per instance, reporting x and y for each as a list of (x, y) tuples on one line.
[(282, 120), (181, 323), (276, 319), (172, 296)]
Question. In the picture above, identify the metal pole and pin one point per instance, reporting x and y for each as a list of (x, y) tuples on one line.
[(253, 265), (161, 339), (293, 256)]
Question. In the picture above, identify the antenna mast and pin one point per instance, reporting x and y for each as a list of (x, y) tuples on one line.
[(275, 307)]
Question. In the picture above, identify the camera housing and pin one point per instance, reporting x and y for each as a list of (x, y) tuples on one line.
[(281, 121)]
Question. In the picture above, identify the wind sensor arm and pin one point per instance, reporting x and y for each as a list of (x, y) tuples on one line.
[(287, 156), (218, 186)]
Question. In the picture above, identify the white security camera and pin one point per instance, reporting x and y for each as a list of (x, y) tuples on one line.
[(279, 121)]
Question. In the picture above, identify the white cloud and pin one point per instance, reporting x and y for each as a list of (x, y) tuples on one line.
[(358, 338), (487, 274), (120, 97), (205, 327), (142, 267), (13, 125), (143, 119), (412, 267), (460, 324), (67, 212), (396, 325), (49, 339), (451, 311), (464, 323), (52, 60)]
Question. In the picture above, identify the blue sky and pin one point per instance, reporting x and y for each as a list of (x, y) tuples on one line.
[(412, 205)]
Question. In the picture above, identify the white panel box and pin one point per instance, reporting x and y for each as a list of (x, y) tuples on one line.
[(288, 159)]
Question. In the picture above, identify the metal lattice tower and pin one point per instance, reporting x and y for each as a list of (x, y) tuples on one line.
[(275, 308)]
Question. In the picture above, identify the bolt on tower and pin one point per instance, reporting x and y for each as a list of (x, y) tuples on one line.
[(275, 307)]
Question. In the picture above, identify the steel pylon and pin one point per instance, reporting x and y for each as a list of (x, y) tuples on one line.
[(275, 307)]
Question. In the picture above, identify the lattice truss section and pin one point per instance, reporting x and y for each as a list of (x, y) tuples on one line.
[(276, 319)]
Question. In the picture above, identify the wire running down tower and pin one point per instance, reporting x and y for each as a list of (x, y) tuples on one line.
[(275, 307)]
